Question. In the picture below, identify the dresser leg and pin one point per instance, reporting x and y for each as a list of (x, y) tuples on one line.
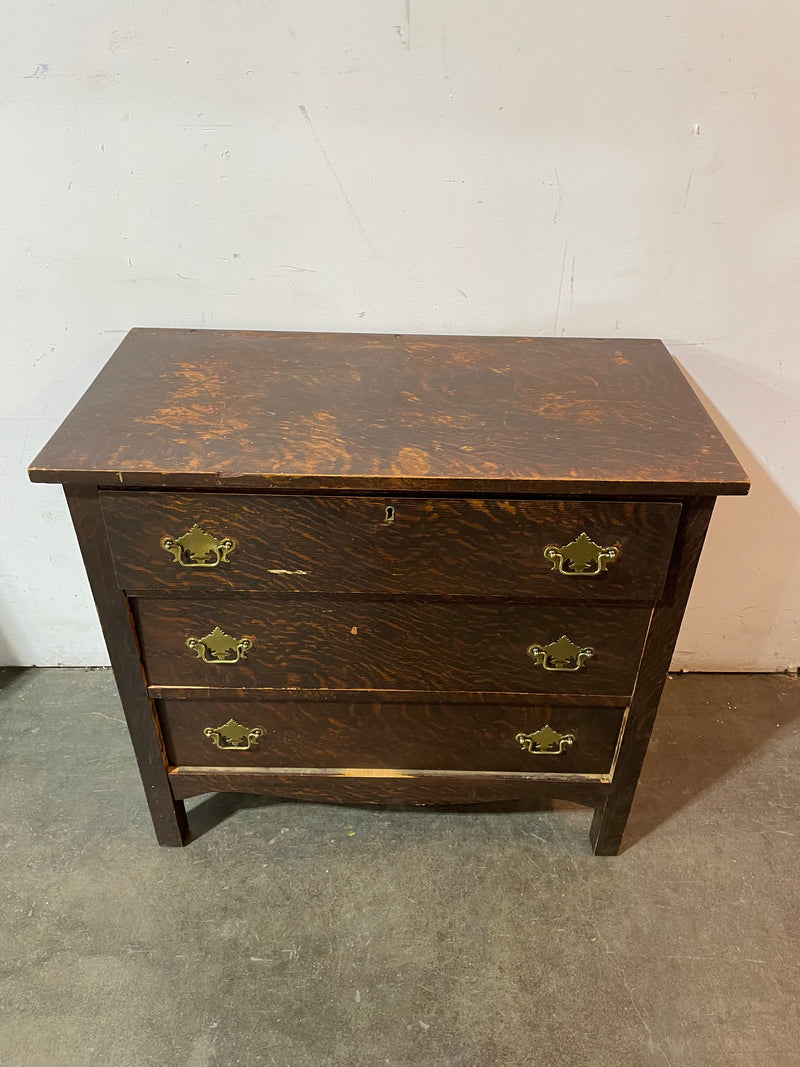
[(608, 824), (169, 818), (611, 815), (168, 814)]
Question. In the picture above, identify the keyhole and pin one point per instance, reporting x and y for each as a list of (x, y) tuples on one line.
[(389, 516)]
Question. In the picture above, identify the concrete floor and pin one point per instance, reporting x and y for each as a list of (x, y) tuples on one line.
[(294, 935)]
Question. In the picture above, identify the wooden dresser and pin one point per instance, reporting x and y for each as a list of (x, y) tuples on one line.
[(390, 568)]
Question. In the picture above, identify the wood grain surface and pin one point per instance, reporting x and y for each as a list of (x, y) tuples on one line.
[(610, 817), (167, 813), (349, 643), (506, 414), (384, 696), (374, 735), (414, 788), (427, 545), (390, 646)]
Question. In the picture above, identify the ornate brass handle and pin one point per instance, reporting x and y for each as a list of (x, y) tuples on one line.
[(560, 655), (219, 647), (545, 741), (196, 548), (233, 735), (582, 558)]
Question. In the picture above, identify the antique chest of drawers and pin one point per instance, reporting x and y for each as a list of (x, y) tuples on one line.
[(390, 568)]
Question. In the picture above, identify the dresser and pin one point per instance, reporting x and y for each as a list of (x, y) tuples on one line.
[(390, 568)]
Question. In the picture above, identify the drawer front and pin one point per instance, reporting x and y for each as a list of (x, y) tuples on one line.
[(412, 736), (199, 543), (391, 644)]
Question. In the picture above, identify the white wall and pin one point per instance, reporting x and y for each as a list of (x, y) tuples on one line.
[(616, 169)]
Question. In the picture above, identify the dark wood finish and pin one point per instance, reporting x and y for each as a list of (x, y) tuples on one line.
[(392, 643), (384, 696), (392, 735), (610, 817), (399, 658), (168, 814), (345, 544), (393, 787), (225, 408)]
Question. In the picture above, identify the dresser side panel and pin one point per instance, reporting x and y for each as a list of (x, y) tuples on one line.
[(611, 817), (168, 815)]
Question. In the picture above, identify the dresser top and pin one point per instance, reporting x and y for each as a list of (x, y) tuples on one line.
[(236, 409)]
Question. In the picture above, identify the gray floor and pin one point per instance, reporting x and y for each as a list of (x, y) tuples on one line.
[(297, 935)]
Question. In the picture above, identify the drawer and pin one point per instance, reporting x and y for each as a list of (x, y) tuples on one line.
[(418, 736), (390, 644), (270, 543)]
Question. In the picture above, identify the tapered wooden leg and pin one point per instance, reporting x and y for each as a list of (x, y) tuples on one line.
[(168, 814), (609, 822), (611, 816)]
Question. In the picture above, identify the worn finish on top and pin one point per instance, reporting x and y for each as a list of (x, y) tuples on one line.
[(219, 408)]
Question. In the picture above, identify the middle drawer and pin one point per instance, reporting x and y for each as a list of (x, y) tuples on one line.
[(389, 644)]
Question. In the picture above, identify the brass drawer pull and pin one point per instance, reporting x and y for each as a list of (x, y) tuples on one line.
[(234, 735), (219, 647), (545, 742), (582, 558), (196, 548), (560, 655)]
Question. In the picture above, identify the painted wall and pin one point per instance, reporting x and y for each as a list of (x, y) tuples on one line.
[(612, 169)]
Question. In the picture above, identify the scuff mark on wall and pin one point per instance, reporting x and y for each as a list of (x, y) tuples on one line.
[(559, 198), (336, 178), (696, 133), (560, 289), (404, 28)]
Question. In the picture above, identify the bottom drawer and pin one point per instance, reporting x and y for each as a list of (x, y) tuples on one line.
[(531, 739)]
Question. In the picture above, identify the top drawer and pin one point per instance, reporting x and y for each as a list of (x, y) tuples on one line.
[(215, 542)]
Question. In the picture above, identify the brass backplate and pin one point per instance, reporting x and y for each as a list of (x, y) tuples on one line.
[(219, 647), (196, 548), (560, 655), (545, 741), (581, 558), (232, 735)]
